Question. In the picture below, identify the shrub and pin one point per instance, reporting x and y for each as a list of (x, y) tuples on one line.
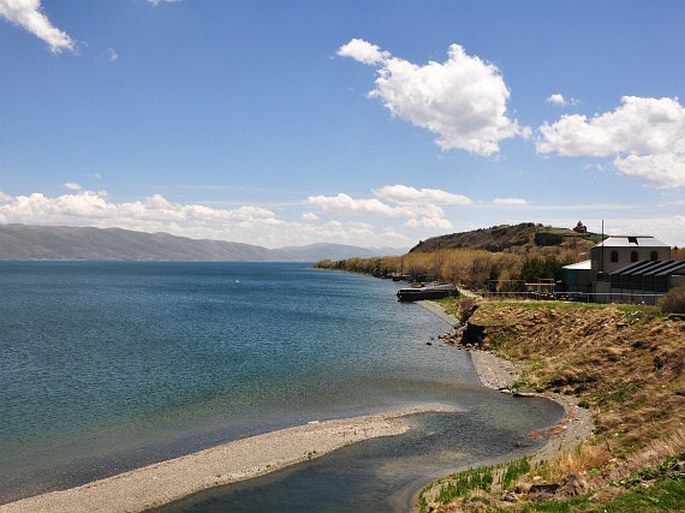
[(673, 301)]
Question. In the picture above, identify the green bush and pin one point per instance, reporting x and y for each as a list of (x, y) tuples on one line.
[(673, 301)]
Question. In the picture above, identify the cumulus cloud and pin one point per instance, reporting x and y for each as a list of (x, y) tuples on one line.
[(363, 52), (429, 222), (463, 100), (248, 223), (421, 207), (510, 201), (668, 228), (71, 186), (310, 216), (665, 170), (29, 15), (344, 203), (407, 195), (558, 99), (645, 135)]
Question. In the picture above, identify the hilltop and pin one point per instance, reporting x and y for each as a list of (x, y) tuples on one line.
[(503, 237), (485, 257)]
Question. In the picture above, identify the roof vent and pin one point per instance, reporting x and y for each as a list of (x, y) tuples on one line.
[(632, 240)]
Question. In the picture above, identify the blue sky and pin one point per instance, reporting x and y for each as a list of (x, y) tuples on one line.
[(374, 123)]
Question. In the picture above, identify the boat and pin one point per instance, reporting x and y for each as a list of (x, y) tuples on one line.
[(435, 291)]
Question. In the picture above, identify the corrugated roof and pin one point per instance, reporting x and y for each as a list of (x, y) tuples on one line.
[(652, 268), (631, 241)]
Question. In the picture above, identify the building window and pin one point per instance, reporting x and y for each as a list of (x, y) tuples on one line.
[(654, 255), (633, 256), (614, 256)]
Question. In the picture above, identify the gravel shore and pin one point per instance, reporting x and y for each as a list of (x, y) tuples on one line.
[(500, 374), (162, 483)]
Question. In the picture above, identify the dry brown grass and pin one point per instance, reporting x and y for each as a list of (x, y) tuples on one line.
[(656, 451), (584, 460), (627, 365)]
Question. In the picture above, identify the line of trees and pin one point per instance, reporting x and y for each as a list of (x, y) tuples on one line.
[(471, 268)]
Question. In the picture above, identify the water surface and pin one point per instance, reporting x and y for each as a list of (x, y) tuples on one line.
[(110, 366)]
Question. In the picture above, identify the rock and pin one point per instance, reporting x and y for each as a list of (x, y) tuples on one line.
[(658, 363), (574, 485), (546, 488), (510, 497), (473, 334)]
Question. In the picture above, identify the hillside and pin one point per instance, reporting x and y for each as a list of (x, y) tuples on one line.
[(626, 364), (22, 242), (500, 238)]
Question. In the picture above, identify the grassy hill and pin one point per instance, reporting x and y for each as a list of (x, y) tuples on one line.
[(484, 258), (626, 364), (503, 237)]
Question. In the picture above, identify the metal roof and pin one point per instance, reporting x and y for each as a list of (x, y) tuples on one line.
[(631, 241), (652, 268), (580, 266)]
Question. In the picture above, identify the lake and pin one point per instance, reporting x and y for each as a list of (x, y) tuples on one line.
[(108, 366)]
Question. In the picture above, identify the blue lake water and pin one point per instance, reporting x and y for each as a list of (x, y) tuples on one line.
[(107, 366)]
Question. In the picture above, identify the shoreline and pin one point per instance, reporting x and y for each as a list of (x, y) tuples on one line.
[(146, 488), (497, 373), (162, 483)]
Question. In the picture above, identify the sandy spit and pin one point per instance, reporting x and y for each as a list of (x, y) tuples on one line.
[(162, 483)]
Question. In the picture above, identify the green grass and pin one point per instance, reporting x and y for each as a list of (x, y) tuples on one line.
[(559, 305), (665, 496)]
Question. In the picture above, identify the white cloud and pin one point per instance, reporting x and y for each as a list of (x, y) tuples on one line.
[(558, 99), (409, 195), (462, 100), (248, 223), (665, 170), (157, 2), (72, 186), (29, 15), (113, 55), (343, 203), (645, 135), (638, 126), (310, 216), (418, 206), (669, 229), (429, 222), (363, 52), (510, 201)]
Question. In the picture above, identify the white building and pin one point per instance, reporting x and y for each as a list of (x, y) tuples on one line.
[(625, 268)]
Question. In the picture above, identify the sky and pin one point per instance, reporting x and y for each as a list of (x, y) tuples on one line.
[(374, 123)]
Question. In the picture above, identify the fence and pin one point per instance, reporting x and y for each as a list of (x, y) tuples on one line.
[(585, 297)]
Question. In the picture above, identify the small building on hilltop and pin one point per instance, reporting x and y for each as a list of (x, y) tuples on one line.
[(625, 268), (580, 228)]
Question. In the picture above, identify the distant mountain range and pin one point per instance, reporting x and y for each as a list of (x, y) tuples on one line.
[(23, 242)]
